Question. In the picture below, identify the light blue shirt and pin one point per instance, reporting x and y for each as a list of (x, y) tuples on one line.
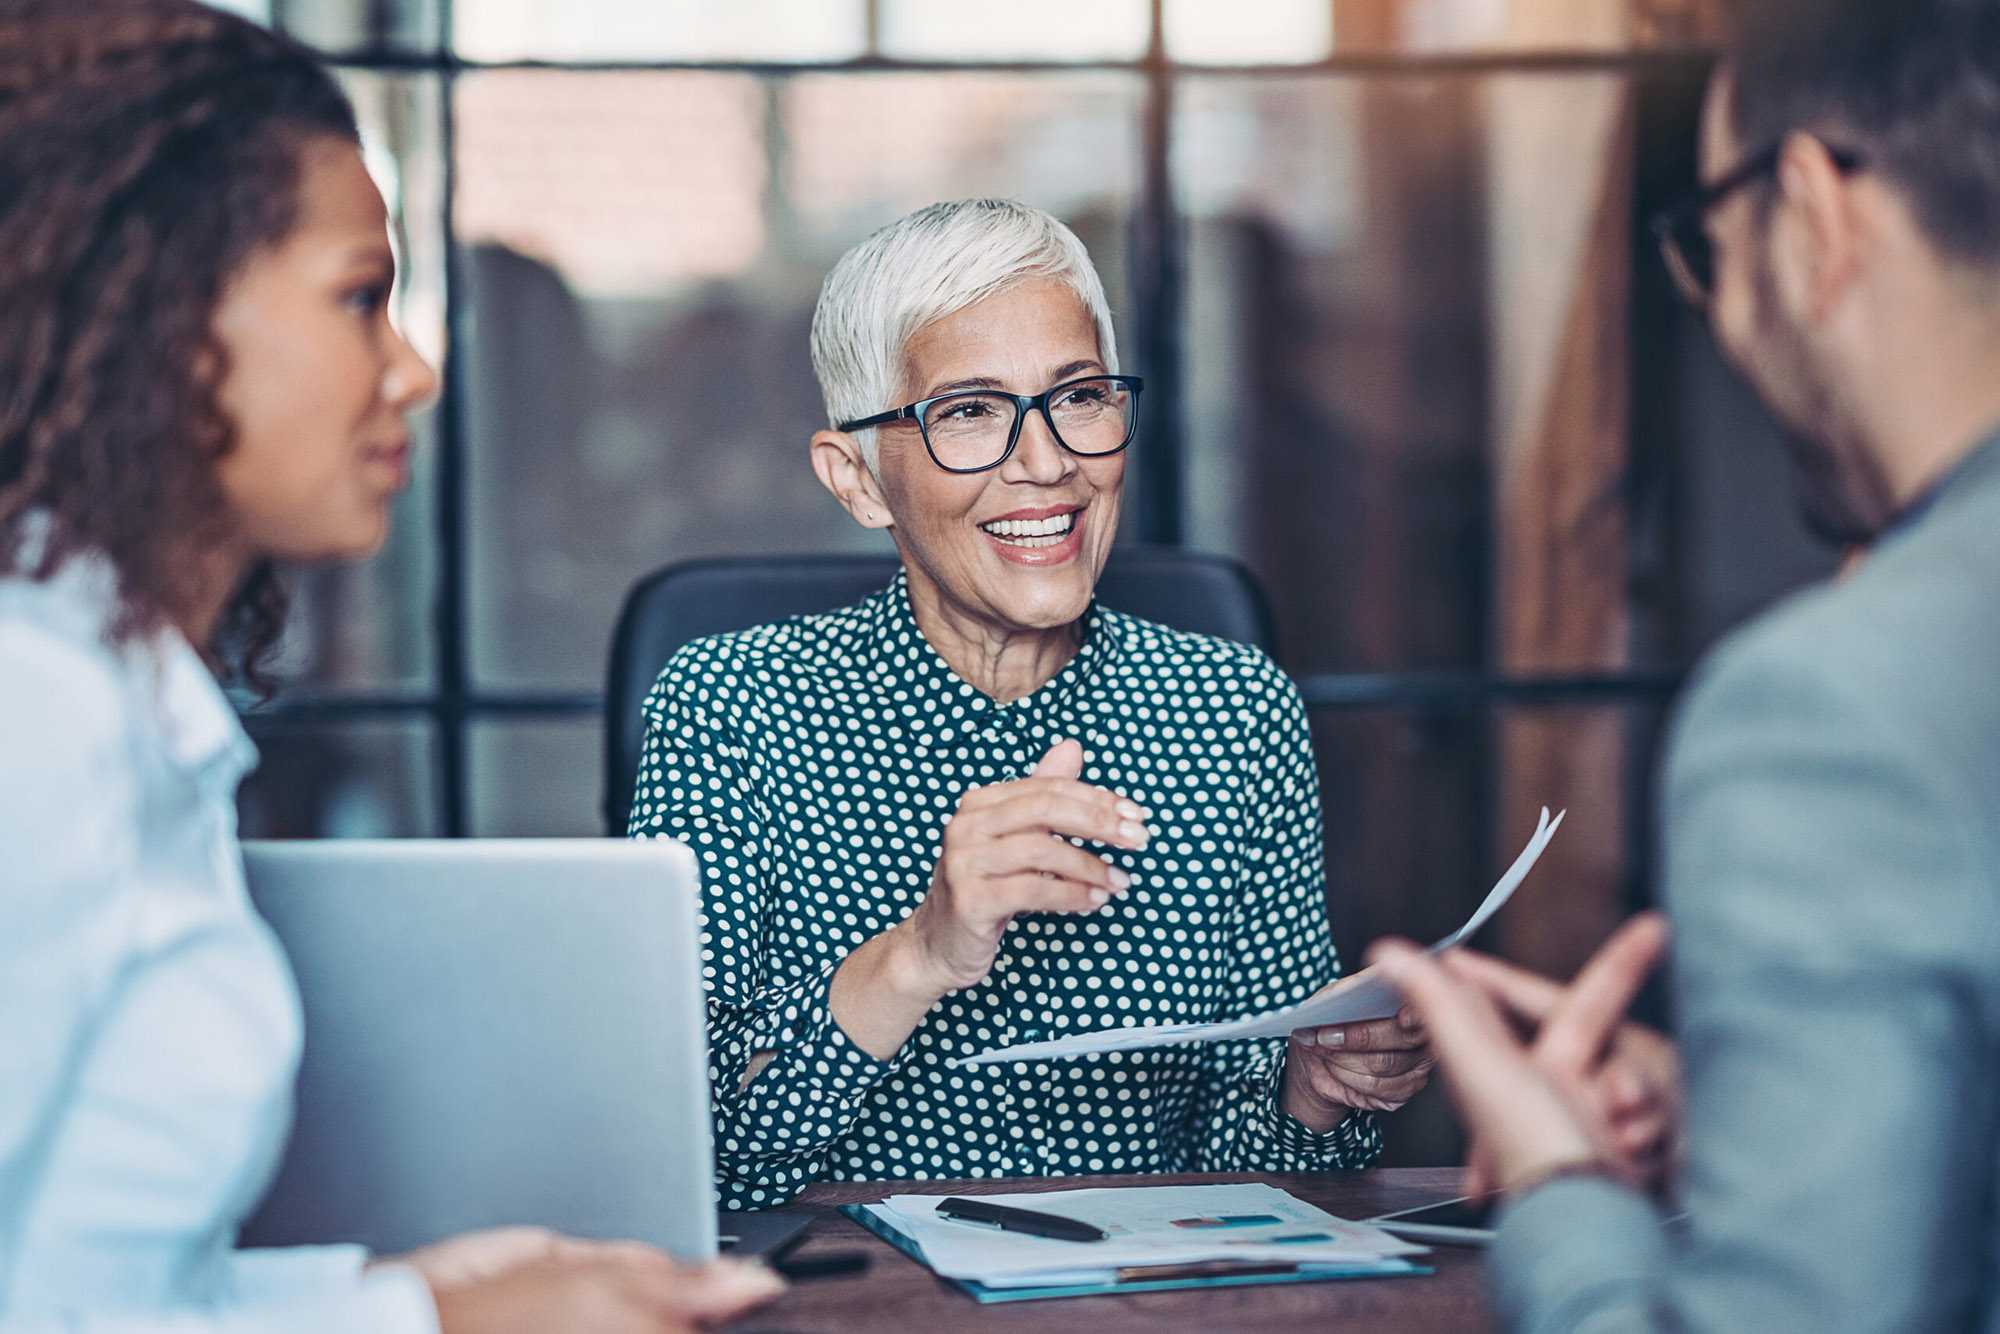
[(149, 1024)]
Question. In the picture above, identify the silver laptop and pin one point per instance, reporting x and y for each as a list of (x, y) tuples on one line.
[(496, 1032)]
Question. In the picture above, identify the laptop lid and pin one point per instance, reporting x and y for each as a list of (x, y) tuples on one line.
[(496, 1032)]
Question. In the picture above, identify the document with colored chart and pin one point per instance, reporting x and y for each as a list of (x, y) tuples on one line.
[(1364, 996), (1170, 1233)]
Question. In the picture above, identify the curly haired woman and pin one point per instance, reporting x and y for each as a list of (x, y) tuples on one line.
[(199, 381)]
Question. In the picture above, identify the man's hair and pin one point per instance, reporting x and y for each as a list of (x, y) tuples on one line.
[(148, 148), (1912, 85), (921, 269)]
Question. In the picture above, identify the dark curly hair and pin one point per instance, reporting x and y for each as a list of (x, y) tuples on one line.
[(148, 148)]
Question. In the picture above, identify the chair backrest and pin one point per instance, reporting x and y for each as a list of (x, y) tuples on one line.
[(1187, 590)]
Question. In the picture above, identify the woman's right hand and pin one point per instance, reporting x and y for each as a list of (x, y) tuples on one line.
[(603, 1288), (1007, 851)]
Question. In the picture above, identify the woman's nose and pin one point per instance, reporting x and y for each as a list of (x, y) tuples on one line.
[(410, 381), (1038, 456)]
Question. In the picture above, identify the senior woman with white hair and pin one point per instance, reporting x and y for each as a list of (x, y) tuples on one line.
[(977, 808)]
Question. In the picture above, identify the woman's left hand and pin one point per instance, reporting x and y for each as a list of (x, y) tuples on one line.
[(1375, 1066)]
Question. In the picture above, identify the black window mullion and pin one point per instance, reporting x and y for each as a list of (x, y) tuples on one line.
[(1157, 277), (451, 711)]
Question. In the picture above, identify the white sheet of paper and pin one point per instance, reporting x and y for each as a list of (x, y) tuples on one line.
[(1361, 997)]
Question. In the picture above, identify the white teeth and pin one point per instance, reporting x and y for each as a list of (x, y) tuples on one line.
[(1033, 532)]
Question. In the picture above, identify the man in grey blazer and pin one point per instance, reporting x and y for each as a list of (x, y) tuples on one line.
[(1832, 800)]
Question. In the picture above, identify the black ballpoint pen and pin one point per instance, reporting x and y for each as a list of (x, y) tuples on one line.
[(1019, 1220)]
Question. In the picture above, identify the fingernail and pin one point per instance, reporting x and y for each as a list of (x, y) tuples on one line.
[(1306, 1037), (1333, 1037), (1409, 1018), (1129, 810), (1121, 880), (1135, 835), (1100, 897)]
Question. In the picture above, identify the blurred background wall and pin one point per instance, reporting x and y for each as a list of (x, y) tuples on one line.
[(1384, 264)]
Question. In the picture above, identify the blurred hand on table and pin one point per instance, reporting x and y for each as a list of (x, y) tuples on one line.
[(523, 1280)]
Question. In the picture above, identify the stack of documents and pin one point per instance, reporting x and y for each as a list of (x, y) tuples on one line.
[(1160, 1237)]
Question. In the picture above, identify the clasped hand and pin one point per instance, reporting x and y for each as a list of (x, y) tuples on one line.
[(1546, 1077)]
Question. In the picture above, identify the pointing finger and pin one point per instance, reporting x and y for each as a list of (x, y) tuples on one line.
[(1525, 995), (1064, 760), (1594, 1005)]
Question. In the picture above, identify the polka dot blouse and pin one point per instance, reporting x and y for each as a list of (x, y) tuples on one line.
[(812, 764)]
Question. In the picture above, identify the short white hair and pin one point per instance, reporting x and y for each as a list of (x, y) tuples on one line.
[(921, 269)]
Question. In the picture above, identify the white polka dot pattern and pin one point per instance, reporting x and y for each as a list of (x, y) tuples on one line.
[(811, 765)]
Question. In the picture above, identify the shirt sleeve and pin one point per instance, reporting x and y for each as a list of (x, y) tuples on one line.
[(1834, 932), (773, 1133), (392, 1299), (68, 820), (68, 811), (1283, 953)]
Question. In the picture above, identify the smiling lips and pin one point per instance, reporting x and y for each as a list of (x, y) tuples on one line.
[(1032, 533)]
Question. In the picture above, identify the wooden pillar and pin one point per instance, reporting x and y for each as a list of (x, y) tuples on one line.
[(1561, 260)]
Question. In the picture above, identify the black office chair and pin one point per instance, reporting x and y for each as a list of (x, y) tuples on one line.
[(1187, 590)]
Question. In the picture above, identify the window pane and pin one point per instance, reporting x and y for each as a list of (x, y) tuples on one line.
[(366, 626), (1055, 31), (644, 253), (780, 31), (1415, 406), (361, 778), (1426, 26), (536, 778), (1248, 32), (1337, 369), (260, 10), (360, 25)]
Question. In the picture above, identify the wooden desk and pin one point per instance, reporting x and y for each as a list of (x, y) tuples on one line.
[(897, 1293)]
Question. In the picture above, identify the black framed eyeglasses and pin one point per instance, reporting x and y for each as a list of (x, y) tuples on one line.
[(972, 431), (1683, 237)]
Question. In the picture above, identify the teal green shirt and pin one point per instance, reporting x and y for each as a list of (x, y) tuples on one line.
[(812, 763)]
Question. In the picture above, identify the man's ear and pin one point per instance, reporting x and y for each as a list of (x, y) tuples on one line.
[(837, 461), (1818, 243)]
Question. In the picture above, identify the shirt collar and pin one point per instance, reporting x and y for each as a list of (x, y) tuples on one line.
[(1978, 469), (938, 709), (195, 724)]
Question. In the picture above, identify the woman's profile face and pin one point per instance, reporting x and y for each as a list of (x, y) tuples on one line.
[(319, 382), (979, 536)]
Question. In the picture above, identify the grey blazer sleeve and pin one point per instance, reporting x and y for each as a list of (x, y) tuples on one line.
[(1834, 937)]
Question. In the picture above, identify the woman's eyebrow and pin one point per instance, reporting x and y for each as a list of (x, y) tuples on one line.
[(973, 382)]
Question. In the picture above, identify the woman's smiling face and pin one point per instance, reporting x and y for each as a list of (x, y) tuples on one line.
[(1018, 547)]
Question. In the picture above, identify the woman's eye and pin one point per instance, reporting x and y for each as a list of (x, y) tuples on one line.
[(1085, 395), (369, 299), (964, 411)]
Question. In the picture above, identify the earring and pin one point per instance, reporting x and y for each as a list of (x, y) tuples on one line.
[(871, 516)]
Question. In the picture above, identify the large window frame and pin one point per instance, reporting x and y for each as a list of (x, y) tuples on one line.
[(454, 703)]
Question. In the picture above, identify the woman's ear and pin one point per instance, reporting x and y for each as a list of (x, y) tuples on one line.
[(841, 468)]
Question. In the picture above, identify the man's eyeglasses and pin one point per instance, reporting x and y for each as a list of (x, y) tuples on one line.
[(974, 431), (1684, 243)]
